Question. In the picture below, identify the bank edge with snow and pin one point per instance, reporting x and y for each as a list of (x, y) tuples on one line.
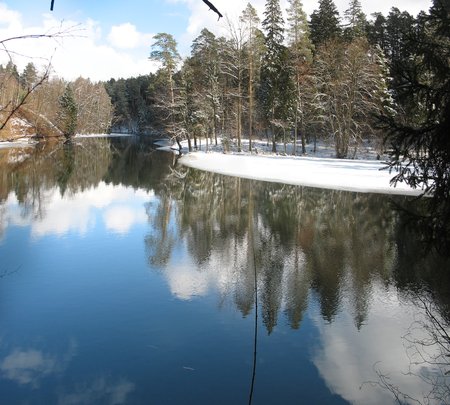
[(349, 175)]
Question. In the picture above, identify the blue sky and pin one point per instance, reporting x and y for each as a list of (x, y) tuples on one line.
[(113, 38)]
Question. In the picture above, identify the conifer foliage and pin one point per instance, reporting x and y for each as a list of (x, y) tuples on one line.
[(420, 149), (325, 23), (68, 113)]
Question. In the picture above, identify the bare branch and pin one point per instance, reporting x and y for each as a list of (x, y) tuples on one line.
[(23, 99)]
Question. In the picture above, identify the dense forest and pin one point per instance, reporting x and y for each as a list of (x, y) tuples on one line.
[(330, 77)]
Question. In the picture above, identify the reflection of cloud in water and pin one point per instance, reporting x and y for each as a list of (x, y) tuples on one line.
[(120, 219), (76, 212), (186, 282), (30, 366), (220, 272), (100, 391), (348, 357)]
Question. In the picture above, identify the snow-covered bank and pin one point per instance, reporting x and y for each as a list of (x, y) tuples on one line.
[(101, 135), (364, 176), (18, 143)]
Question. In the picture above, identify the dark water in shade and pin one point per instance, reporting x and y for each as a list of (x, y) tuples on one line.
[(127, 279)]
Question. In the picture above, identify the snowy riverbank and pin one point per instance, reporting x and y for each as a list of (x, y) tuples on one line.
[(364, 175)]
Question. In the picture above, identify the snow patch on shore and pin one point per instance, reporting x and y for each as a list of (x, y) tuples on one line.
[(366, 176)]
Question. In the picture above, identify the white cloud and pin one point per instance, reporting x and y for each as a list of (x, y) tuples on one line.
[(126, 36), (9, 18), (82, 50)]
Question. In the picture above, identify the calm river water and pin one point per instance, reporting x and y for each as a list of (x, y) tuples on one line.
[(128, 279)]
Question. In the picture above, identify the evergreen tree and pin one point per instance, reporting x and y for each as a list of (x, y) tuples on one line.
[(29, 76), (164, 51), (117, 90), (274, 65), (376, 31), (324, 24), (301, 50), (68, 111), (402, 41), (420, 148), (254, 48), (356, 21), (205, 68), (11, 69)]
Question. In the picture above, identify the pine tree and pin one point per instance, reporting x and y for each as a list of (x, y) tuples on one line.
[(164, 51), (254, 50), (68, 112), (324, 24)]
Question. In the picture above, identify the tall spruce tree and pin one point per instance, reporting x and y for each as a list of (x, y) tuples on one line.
[(273, 66), (324, 24), (68, 112)]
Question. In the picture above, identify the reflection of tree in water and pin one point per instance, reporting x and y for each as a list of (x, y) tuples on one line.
[(330, 242), (135, 163), (418, 273), (70, 168), (427, 345), (32, 173)]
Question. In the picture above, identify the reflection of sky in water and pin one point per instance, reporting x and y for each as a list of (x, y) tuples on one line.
[(347, 357), (120, 207), (84, 278), (102, 390), (30, 366)]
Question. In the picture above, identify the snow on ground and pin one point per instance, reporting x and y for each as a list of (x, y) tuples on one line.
[(111, 135), (367, 176), (18, 143), (317, 169)]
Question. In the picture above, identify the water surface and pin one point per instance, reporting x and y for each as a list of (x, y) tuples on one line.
[(128, 279)]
